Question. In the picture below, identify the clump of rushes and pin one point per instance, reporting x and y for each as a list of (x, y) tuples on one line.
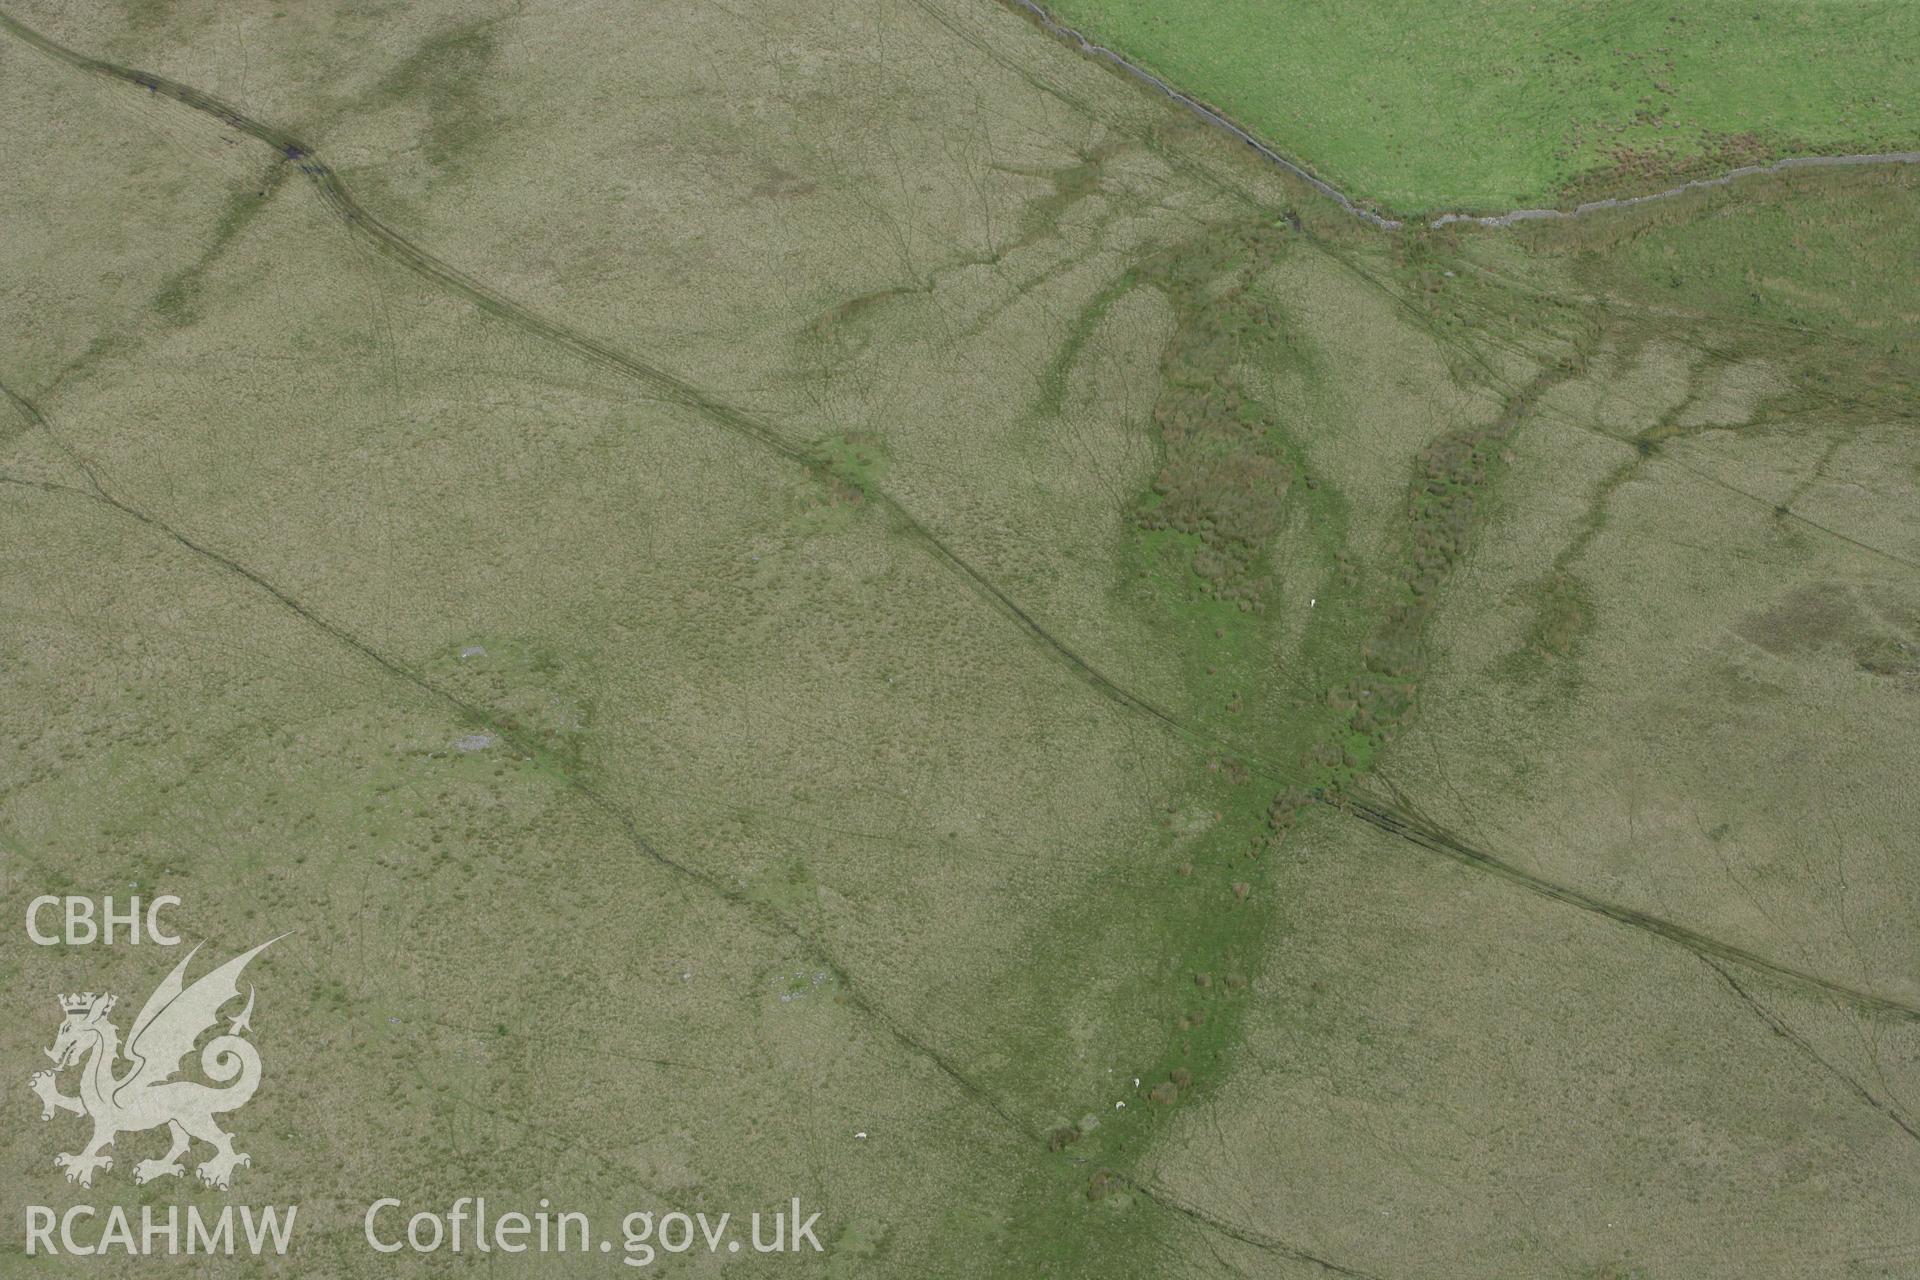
[(1442, 505), (1226, 472), (848, 465)]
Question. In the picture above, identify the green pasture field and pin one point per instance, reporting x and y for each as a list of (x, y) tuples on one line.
[(1420, 107)]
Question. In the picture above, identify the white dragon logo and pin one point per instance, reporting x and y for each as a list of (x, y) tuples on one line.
[(146, 1096)]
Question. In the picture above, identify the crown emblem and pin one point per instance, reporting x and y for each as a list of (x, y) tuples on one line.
[(177, 1017)]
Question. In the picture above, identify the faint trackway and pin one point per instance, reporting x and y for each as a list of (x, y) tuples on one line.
[(1052, 24), (1427, 836), (677, 390), (397, 246), (766, 916), (670, 387), (94, 490), (1779, 1026)]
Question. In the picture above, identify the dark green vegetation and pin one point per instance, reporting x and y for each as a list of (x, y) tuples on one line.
[(1491, 106), (1226, 472), (727, 628)]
